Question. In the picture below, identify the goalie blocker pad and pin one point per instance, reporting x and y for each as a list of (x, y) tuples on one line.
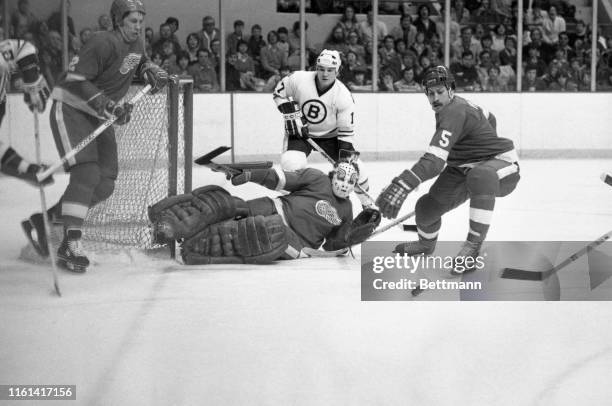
[(251, 240), (178, 217)]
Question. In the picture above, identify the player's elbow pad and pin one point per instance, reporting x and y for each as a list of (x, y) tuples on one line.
[(428, 166)]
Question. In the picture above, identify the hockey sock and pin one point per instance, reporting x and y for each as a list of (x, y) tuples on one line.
[(481, 213)]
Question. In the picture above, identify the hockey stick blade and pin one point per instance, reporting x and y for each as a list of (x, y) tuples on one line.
[(607, 178), (207, 158), (410, 227), (521, 274)]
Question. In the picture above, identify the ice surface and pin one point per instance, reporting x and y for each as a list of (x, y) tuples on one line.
[(136, 330)]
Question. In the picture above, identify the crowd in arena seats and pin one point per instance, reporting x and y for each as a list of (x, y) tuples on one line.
[(556, 48)]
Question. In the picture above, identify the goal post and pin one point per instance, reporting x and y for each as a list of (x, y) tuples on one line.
[(155, 161)]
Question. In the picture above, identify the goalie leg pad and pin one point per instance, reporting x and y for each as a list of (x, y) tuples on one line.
[(178, 217), (251, 240)]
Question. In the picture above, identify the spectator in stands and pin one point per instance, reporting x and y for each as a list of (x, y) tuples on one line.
[(400, 47), (531, 82), (55, 20), (41, 35), (534, 59), (484, 63), (256, 43), (534, 17), (361, 83), (52, 64), (571, 85), (576, 71), (553, 24), (462, 14), (105, 23), (408, 83), (565, 46), (366, 30), (508, 55), (553, 72), (546, 51), (406, 30), (389, 58), (232, 76), (386, 82), (193, 46), (295, 47), (274, 79), (354, 46), (466, 76), (419, 46), (157, 58), (487, 43), (424, 23), (485, 14), (498, 36), (165, 35), (181, 67), (283, 36), (149, 36), (348, 21), (494, 81), (337, 42), (23, 19), (579, 33), (347, 73), (466, 43), (272, 57), (236, 36), (168, 55), (173, 22), (84, 35), (203, 73), (246, 66), (436, 49), (454, 26), (208, 32), (215, 54)]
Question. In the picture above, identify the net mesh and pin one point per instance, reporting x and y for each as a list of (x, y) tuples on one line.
[(144, 174)]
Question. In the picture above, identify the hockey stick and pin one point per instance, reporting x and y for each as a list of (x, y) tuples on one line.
[(229, 169), (607, 178), (87, 140), (523, 274), (43, 206), (320, 253)]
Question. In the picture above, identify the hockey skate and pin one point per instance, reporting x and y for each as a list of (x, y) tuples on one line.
[(34, 229), (465, 260), (70, 254)]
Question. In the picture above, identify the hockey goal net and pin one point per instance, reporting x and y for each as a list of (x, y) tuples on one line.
[(155, 155)]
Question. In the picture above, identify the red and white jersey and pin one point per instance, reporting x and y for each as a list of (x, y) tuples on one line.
[(329, 114), (11, 52)]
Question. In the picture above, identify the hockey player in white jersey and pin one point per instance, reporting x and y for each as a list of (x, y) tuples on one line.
[(20, 56), (319, 106)]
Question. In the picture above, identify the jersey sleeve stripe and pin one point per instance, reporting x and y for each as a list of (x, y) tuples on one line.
[(282, 179), (439, 152)]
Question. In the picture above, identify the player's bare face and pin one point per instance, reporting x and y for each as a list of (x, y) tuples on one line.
[(326, 76), (439, 96), (131, 26)]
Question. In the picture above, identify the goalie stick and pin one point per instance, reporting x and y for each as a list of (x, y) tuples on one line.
[(229, 169), (523, 274), (87, 140)]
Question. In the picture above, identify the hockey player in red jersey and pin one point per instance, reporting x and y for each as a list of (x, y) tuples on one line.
[(216, 227), (17, 55), (472, 163), (319, 106), (84, 97)]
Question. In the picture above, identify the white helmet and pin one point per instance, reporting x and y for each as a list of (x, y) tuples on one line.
[(344, 179), (329, 59)]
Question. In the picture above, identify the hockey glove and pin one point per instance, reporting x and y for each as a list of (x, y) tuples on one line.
[(123, 112), (265, 177), (295, 124), (36, 94), (363, 226), (393, 196), (14, 165), (154, 76)]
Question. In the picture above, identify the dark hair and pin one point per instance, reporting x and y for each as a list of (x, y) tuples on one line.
[(194, 35), (466, 53), (282, 30), (256, 26), (241, 42), (296, 25), (238, 22), (272, 33), (172, 20)]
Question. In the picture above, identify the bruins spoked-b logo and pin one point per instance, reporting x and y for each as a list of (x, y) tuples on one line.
[(328, 212), (129, 62), (314, 110)]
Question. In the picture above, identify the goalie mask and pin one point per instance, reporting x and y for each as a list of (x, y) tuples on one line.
[(344, 178)]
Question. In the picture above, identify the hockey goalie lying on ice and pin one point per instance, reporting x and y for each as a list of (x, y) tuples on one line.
[(215, 227)]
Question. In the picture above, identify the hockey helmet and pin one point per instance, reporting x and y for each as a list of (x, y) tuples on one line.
[(438, 75), (120, 8), (344, 178), (329, 59)]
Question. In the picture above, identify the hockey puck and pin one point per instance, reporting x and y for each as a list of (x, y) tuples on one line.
[(607, 178), (410, 227)]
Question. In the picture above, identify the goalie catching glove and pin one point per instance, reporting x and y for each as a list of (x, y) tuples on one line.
[(296, 125), (36, 94), (361, 229), (154, 76), (393, 196)]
